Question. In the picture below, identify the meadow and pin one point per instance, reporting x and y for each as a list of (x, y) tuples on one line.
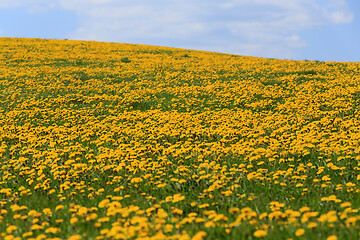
[(123, 141)]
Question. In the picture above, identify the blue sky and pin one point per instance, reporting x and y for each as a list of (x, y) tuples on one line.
[(326, 30)]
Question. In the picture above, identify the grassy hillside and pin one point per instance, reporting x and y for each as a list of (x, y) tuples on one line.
[(120, 141)]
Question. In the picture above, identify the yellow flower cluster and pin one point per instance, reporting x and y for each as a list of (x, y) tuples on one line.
[(175, 144)]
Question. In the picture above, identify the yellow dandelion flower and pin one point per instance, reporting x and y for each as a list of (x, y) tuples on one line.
[(74, 220), (299, 232), (260, 233), (75, 237), (11, 228), (205, 205), (332, 237), (199, 235)]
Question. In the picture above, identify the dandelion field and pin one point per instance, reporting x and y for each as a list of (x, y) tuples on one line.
[(121, 141)]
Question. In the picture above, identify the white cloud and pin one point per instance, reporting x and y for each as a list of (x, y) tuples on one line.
[(341, 17), (258, 27)]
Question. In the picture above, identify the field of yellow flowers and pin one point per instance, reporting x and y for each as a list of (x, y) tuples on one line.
[(121, 141)]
